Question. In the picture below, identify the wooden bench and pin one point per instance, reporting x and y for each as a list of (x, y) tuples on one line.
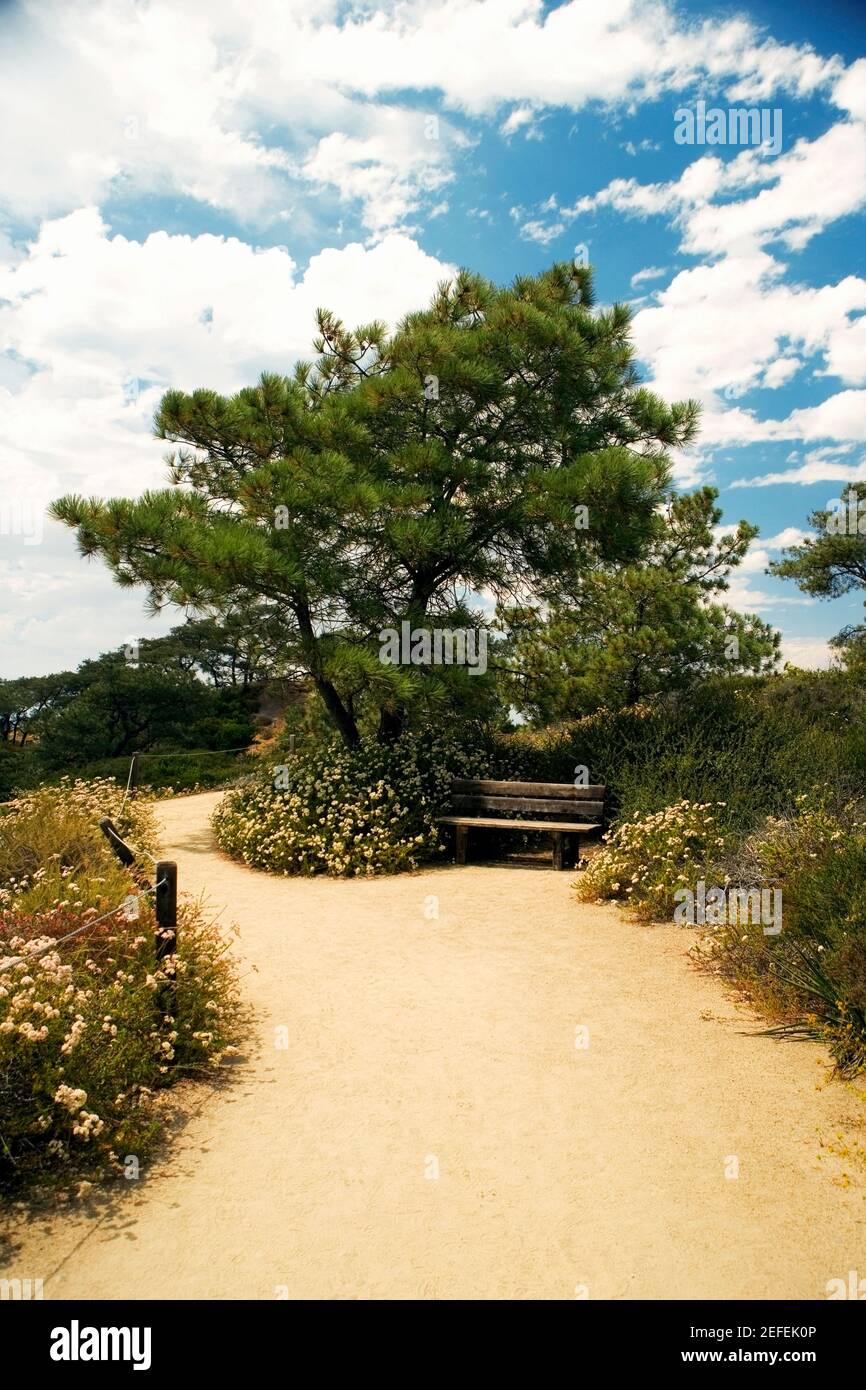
[(484, 806)]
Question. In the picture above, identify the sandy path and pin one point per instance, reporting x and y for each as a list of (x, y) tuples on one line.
[(415, 1042)]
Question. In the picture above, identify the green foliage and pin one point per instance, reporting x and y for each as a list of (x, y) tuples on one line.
[(331, 809), (23, 701), (756, 744), (19, 769), (195, 687), (621, 633), (811, 979), (122, 708), (831, 562), (198, 770)]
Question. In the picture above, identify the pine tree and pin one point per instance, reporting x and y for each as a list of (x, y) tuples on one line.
[(398, 477), (833, 562), (622, 633)]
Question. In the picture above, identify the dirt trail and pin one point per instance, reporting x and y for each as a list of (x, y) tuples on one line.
[(418, 1045)]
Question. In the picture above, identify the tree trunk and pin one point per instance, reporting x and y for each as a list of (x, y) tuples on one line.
[(328, 693), (341, 717), (392, 722)]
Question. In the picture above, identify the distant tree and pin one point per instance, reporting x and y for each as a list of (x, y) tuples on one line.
[(832, 562), (237, 648), (194, 687), (623, 633), (24, 701), (400, 475), (850, 647), (121, 709)]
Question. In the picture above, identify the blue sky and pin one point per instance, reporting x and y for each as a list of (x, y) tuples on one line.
[(185, 184)]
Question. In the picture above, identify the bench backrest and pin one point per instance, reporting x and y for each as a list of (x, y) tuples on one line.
[(560, 800)]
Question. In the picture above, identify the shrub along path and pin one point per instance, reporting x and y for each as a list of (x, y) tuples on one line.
[(417, 1045)]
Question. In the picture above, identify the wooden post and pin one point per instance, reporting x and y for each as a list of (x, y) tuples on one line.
[(133, 775), (118, 844), (166, 929), (462, 832)]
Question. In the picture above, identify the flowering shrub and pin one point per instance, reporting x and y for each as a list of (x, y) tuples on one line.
[(784, 843), (52, 852), (362, 811), (645, 860), (90, 1027)]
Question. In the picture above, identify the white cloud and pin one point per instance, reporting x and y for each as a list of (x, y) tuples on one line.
[(816, 469), (230, 103), (841, 416), (107, 324), (799, 194), (849, 93), (651, 272), (780, 372), (789, 535), (541, 232), (811, 653), (98, 314), (523, 120), (734, 325), (385, 170)]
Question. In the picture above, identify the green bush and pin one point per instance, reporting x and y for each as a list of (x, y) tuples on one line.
[(90, 1031), (811, 979), (198, 770), (330, 809), (756, 744)]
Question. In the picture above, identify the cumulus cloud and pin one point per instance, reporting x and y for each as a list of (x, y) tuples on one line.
[(230, 104), (103, 325), (812, 653), (736, 324), (107, 323), (817, 468)]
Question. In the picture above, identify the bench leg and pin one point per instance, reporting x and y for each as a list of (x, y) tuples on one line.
[(462, 842), (566, 849)]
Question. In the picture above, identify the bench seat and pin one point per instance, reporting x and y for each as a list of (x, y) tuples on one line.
[(498, 823)]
